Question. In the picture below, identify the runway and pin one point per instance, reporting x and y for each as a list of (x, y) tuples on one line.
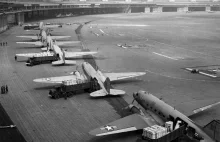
[(192, 40)]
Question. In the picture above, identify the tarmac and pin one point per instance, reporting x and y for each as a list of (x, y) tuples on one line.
[(162, 44)]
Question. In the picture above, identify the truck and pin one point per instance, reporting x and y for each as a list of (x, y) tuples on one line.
[(69, 88), (39, 60), (173, 135)]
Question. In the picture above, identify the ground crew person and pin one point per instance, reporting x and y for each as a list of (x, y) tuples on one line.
[(15, 58), (1, 43), (1, 89), (6, 88)]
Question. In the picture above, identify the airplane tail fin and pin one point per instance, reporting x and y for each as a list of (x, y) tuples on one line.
[(41, 25), (107, 85)]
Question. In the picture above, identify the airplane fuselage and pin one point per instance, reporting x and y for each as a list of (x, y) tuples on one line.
[(150, 102), (90, 72)]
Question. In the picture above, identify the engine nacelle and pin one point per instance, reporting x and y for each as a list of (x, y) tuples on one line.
[(135, 109)]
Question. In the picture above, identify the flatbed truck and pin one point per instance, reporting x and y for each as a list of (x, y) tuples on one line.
[(39, 60), (67, 90)]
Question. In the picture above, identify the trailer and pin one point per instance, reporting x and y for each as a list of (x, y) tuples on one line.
[(173, 135), (39, 60), (69, 88)]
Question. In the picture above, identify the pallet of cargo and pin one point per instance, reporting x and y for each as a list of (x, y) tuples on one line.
[(173, 135)]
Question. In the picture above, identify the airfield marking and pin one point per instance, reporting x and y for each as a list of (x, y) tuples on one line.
[(180, 78), (189, 69), (103, 32), (165, 56), (122, 25)]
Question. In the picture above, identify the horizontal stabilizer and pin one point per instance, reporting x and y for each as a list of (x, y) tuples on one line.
[(59, 62), (66, 62), (116, 92), (99, 93), (70, 62)]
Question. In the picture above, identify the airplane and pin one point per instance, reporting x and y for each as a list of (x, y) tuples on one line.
[(60, 53), (41, 26), (45, 40), (202, 72), (159, 112), (59, 15), (103, 80)]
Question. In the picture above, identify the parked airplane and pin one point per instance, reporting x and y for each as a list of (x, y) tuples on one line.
[(62, 55), (42, 26), (42, 36), (103, 80), (159, 112), (46, 40)]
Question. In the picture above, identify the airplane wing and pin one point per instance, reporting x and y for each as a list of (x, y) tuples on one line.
[(119, 76), (77, 54), (194, 107), (59, 37), (26, 55), (130, 123), (57, 80), (37, 43), (31, 37), (59, 43)]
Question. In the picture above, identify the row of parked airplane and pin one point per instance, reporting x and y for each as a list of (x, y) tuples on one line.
[(51, 47), (159, 111)]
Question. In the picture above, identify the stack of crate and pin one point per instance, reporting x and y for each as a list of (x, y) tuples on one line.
[(154, 132)]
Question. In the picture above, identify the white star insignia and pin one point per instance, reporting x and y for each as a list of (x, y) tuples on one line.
[(108, 128)]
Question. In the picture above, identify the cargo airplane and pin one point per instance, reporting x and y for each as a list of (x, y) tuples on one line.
[(41, 26), (158, 113), (102, 79), (59, 53), (46, 40)]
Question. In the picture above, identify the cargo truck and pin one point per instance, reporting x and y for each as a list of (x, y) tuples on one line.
[(150, 135), (39, 60), (69, 88)]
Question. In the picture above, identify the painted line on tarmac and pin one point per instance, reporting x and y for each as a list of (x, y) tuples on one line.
[(165, 56), (122, 25), (180, 78), (103, 32), (206, 74)]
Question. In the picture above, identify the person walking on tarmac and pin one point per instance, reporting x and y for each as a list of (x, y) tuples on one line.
[(1, 89), (6, 88)]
